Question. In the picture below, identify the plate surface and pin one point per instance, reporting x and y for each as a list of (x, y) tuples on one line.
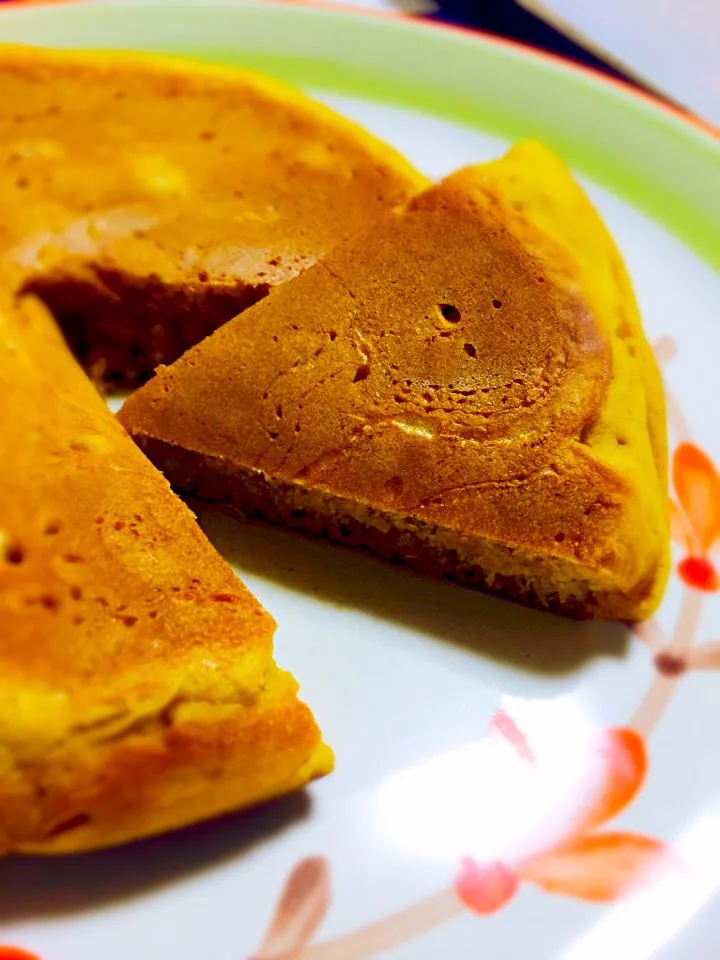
[(468, 733)]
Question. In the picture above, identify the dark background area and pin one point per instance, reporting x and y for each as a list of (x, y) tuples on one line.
[(506, 19)]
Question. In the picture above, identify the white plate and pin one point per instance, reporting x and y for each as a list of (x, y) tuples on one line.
[(405, 675)]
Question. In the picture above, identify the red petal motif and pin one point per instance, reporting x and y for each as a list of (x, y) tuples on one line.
[(699, 573), (299, 912), (504, 724), (485, 887), (15, 953), (621, 752), (602, 867), (698, 488)]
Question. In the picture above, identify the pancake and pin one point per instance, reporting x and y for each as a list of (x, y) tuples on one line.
[(138, 691), (147, 200), (465, 387)]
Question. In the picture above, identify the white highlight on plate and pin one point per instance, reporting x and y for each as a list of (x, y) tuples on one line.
[(485, 799), (640, 925)]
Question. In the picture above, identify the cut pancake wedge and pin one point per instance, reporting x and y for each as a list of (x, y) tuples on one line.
[(465, 387), (138, 691)]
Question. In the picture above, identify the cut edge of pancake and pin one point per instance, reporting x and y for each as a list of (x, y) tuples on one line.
[(632, 455), (89, 294), (96, 757)]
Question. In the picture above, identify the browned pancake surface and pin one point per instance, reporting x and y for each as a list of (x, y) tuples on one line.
[(137, 687), (427, 390), (149, 200)]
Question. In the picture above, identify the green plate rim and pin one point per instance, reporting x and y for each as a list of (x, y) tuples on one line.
[(682, 191)]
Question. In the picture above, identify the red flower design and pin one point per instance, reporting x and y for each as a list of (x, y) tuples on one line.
[(300, 910), (15, 953), (584, 863), (487, 887), (695, 519)]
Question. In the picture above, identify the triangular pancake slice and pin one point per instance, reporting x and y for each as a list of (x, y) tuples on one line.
[(137, 687), (465, 388)]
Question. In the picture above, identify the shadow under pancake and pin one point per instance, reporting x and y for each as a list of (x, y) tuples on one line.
[(528, 640), (531, 640), (32, 887)]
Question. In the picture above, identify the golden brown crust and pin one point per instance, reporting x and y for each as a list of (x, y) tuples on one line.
[(198, 190), (447, 369), (137, 686)]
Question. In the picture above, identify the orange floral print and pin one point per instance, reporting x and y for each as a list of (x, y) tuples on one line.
[(300, 910), (585, 863), (15, 953), (695, 518)]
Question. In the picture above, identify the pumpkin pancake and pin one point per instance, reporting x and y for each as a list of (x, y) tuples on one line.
[(147, 200), (137, 687), (465, 387)]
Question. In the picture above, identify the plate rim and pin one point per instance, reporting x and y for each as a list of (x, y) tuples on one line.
[(641, 96), (645, 96), (639, 148)]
